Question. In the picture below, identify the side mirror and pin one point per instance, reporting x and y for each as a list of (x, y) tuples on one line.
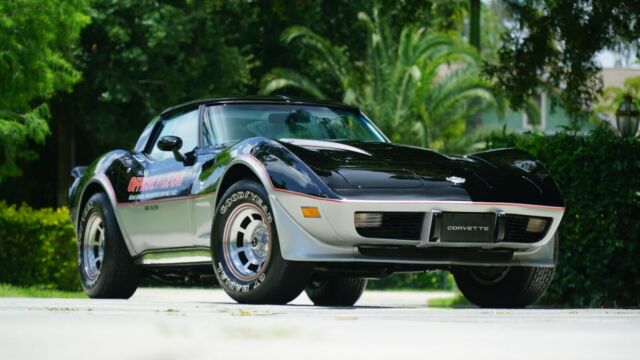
[(173, 144)]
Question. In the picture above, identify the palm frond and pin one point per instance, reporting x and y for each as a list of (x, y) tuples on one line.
[(280, 78), (334, 56), (418, 88), (532, 111)]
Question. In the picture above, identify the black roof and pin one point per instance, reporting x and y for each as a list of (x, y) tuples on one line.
[(254, 100)]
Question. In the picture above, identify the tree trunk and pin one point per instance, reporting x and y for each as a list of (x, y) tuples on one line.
[(474, 121), (474, 29), (64, 147)]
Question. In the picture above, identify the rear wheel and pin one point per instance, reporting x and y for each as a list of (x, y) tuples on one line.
[(106, 268), (246, 251), (335, 291)]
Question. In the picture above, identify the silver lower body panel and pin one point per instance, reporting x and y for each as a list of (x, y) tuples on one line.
[(333, 238), (178, 256)]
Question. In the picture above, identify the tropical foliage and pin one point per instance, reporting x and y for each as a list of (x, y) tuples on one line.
[(140, 57), (554, 43), (37, 41), (613, 96), (419, 87)]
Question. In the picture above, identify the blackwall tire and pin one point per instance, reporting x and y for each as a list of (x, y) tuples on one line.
[(246, 251), (336, 291), (105, 265), (508, 287)]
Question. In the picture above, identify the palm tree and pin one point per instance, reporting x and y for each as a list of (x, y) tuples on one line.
[(419, 88)]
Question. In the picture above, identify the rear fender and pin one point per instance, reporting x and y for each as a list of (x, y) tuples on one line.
[(96, 177)]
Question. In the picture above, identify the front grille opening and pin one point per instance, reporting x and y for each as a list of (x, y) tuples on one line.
[(518, 229), (408, 226), (394, 225), (435, 253)]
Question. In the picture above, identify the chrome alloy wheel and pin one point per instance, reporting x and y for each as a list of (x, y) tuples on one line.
[(93, 247), (247, 242)]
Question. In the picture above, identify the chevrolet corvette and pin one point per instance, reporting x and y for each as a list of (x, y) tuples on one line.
[(276, 196)]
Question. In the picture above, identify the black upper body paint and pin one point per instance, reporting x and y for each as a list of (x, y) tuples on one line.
[(386, 172)]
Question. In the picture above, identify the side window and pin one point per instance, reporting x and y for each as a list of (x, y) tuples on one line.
[(184, 126)]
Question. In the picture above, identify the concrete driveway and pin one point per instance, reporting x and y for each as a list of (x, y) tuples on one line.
[(205, 324)]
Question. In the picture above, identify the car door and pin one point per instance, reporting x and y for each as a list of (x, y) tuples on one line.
[(157, 214)]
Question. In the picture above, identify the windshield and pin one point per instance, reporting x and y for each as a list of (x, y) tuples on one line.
[(230, 123)]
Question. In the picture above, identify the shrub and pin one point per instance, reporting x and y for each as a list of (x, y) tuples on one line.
[(37, 247), (599, 176), (433, 280)]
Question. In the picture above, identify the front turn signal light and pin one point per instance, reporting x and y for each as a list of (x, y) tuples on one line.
[(310, 212), (536, 225), (367, 219)]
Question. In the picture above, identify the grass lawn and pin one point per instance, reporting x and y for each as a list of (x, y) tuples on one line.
[(7, 290), (453, 302)]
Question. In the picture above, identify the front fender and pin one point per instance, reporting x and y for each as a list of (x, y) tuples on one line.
[(283, 175), (524, 164), (289, 173), (278, 169)]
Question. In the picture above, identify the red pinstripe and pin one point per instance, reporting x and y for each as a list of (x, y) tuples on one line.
[(554, 208)]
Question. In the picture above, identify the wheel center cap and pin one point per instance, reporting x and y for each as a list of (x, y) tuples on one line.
[(260, 242)]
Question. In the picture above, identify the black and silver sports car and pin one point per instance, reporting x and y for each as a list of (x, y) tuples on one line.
[(279, 195)]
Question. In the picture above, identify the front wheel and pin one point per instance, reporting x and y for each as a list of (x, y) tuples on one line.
[(505, 286), (246, 251), (335, 291)]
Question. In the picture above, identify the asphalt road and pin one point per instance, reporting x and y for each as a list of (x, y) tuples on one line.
[(205, 324)]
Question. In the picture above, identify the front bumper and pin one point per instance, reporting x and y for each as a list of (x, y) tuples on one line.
[(333, 237)]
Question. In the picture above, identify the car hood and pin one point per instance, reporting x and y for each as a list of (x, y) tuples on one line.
[(381, 170)]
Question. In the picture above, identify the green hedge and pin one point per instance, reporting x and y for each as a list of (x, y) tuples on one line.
[(37, 247), (433, 280), (599, 176)]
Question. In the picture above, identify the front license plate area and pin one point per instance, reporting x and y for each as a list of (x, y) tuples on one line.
[(468, 227)]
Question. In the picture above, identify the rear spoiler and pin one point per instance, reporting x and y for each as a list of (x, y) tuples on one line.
[(78, 171)]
